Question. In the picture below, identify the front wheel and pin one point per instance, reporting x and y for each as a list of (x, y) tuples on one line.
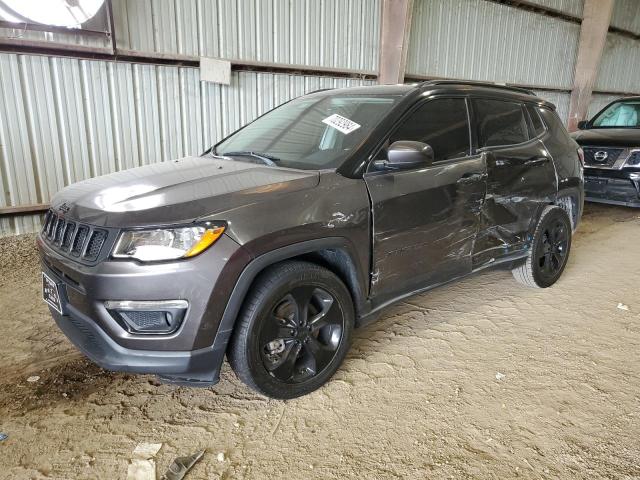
[(294, 330), (549, 250)]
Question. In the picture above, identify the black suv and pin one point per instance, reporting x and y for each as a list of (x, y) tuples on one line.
[(274, 244), (611, 143)]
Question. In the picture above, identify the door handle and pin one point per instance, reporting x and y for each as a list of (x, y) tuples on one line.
[(471, 178), (537, 161)]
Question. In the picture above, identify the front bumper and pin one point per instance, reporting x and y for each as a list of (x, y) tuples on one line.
[(618, 187), (192, 354)]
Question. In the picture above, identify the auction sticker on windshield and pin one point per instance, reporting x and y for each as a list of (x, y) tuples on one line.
[(341, 123)]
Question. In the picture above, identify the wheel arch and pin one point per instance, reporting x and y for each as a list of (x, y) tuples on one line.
[(334, 253)]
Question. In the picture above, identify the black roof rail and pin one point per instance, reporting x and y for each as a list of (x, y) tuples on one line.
[(480, 84), (319, 90)]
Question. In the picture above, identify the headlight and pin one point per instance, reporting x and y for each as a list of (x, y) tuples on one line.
[(166, 243)]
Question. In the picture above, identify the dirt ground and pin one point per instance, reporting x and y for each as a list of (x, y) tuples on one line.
[(479, 379)]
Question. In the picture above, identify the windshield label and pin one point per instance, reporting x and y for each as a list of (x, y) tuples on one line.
[(341, 123)]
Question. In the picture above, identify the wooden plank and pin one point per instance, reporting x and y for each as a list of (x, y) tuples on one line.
[(394, 40), (593, 35), (24, 209)]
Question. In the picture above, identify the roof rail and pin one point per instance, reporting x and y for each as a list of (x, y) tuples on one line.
[(480, 84), (319, 90)]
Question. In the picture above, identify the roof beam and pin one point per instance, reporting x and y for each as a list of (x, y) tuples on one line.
[(394, 40), (593, 36)]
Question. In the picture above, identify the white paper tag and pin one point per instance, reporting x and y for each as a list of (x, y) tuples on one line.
[(341, 123)]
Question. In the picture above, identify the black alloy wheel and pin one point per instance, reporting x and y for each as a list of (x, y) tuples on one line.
[(301, 335), (294, 330), (552, 250), (549, 250)]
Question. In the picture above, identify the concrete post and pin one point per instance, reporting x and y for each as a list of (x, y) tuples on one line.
[(394, 40), (593, 35)]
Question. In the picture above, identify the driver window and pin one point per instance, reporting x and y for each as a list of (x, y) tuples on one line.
[(442, 123)]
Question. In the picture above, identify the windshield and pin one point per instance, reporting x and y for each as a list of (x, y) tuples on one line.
[(620, 114), (312, 132)]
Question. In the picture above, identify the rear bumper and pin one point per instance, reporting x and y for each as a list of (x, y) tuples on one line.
[(618, 187)]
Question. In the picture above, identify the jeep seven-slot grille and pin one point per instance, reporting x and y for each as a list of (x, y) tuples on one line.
[(75, 239)]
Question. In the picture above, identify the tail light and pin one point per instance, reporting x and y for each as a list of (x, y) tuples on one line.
[(581, 156)]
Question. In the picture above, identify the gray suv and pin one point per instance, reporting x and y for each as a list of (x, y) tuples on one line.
[(274, 244)]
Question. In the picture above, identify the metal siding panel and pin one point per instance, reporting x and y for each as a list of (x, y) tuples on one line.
[(620, 65), (17, 163), (560, 100), (122, 106), (172, 145), (165, 24), (67, 86), (329, 33), (571, 7), (466, 39), (98, 117), (626, 15), (42, 124)]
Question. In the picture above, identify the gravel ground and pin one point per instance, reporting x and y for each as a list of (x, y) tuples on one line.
[(479, 379)]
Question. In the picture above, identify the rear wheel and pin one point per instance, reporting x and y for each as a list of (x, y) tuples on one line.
[(549, 251), (294, 330)]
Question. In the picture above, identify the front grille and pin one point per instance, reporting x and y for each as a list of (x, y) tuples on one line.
[(95, 244), (79, 241), (601, 156), (634, 159)]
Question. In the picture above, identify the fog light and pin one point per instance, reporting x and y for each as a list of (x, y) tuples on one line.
[(157, 317)]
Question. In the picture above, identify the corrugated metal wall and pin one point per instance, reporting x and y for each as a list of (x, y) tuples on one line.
[(626, 15), (620, 65), (329, 33), (63, 120), (570, 7), (468, 39)]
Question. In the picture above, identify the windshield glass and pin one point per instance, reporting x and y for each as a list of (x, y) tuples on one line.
[(312, 132), (620, 115)]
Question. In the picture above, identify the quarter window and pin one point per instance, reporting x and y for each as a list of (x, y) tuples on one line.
[(500, 123), (536, 121), (442, 123)]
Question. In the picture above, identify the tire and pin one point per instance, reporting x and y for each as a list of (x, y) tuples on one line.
[(294, 330), (549, 250)]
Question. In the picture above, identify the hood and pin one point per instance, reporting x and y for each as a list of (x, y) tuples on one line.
[(608, 137), (178, 191)]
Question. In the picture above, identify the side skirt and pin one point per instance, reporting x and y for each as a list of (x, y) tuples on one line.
[(506, 262)]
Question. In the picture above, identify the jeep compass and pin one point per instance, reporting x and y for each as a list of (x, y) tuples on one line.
[(274, 244)]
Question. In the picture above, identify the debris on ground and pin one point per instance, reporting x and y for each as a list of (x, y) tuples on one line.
[(33, 379), (220, 457), (3, 436), (622, 306), (142, 466), (181, 465), (500, 376)]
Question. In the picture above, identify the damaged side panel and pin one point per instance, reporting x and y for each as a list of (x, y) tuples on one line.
[(424, 224), (521, 180)]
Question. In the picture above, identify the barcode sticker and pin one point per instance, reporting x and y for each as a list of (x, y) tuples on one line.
[(341, 123)]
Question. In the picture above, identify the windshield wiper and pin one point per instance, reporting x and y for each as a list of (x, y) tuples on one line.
[(266, 159)]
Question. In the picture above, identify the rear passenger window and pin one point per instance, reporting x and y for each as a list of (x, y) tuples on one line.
[(536, 121), (500, 123), (443, 124)]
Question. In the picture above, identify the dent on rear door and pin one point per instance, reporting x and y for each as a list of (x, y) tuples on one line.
[(521, 180)]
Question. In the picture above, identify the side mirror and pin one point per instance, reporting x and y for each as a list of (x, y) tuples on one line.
[(582, 125), (405, 155)]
